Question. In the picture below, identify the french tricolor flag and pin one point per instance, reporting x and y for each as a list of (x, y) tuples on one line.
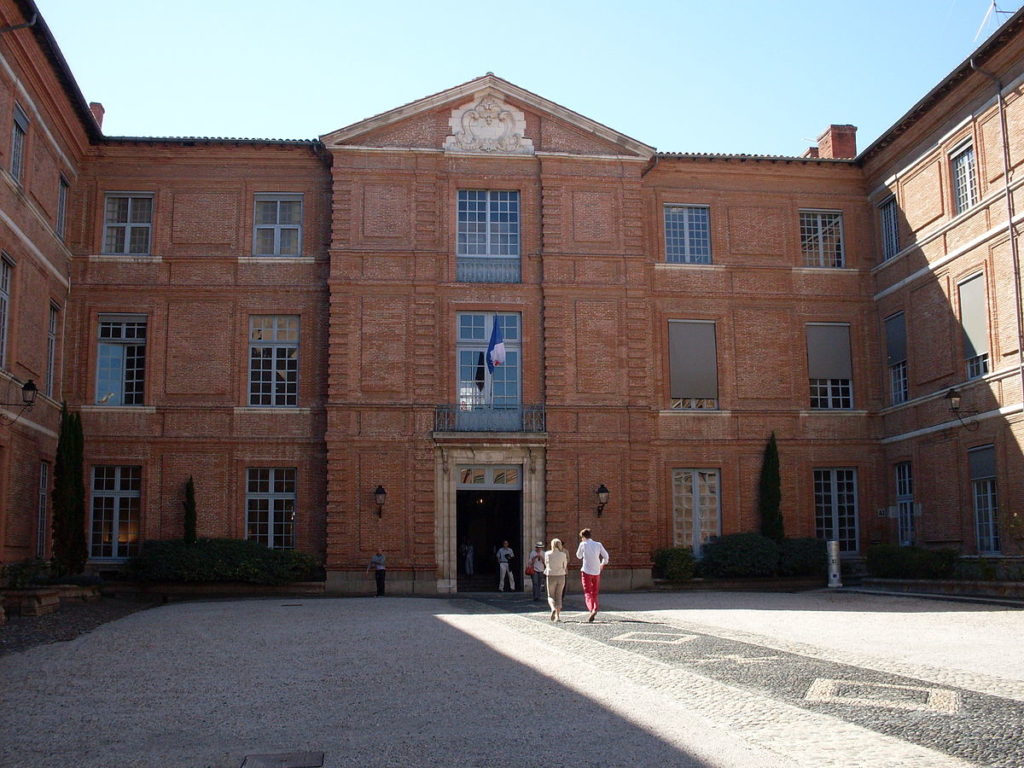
[(496, 347)]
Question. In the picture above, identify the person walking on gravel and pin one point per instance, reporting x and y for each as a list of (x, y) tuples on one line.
[(595, 558)]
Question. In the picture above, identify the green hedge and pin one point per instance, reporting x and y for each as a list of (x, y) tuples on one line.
[(888, 561), (803, 557), (674, 564), (219, 560), (740, 555)]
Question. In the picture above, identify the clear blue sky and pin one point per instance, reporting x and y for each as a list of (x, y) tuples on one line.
[(755, 76)]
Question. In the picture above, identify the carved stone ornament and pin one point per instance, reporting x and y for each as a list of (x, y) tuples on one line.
[(489, 125)]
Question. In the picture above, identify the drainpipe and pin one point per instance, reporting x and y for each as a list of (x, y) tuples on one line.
[(1010, 228), (29, 23)]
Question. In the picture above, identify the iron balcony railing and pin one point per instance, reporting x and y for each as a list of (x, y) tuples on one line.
[(487, 269), (487, 418)]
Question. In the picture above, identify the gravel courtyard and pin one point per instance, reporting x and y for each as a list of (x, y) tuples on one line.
[(682, 679)]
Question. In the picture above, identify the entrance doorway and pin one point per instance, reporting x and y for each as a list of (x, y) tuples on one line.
[(488, 513)]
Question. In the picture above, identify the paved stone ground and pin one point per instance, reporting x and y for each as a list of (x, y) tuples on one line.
[(716, 680)]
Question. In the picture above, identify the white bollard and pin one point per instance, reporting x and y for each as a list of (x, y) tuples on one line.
[(834, 567)]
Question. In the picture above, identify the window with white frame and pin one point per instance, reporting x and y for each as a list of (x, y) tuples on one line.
[(42, 506), (121, 360), (905, 503), (60, 224), (974, 321), (687, 234), (487, 233), (696, 507), (18, 133), (6, 273), (835, 506), (829, 366), (964, 175), (821, 238), (274, 360), (116, 506), (277, 225), (982, 464), (896, 358), (127, 223), (888, 215), (270, 506), (483, 387), (693, 365), (53, 323)]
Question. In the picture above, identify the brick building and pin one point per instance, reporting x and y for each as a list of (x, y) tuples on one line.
[(299, 325)]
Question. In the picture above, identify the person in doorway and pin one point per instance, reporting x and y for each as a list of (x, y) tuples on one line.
[(470, 559), (595, 558), (556, 564), (536, 569), (505, 557), (379, 571)]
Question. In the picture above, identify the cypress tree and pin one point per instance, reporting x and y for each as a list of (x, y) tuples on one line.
[(190, 511), (69, 548), (769, 497)]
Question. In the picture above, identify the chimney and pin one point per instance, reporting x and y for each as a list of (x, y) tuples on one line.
[(97, 112), (838, 141), (810, 152)]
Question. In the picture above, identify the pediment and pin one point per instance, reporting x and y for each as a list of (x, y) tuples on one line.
[(487, 116)]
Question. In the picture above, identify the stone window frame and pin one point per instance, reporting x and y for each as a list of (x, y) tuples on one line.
[(822, 240), (60, 222), (274, 492), (129, 332), (842, 524), (889, 227), (19, 143), (123, 490), (963, 177), (6, 282), (136, 230), (52, 337), (469, 395), (707, 532), (275, 227), (278, 335), (687, 233)]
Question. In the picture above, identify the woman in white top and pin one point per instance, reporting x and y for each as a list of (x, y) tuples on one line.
[(556, 564)]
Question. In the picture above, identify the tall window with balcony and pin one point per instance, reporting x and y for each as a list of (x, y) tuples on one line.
[(60, 222), (982, 464), (905, 507), (277, 227), (274, 360), (127, 223), (6, 273), (829, 366), (53, 323), (116, 500), (964, 176), (889, 225), (896, 358), (693, 365), (488, 236), (488, 396), (121, 360), (19, 131), (835, 506), (687, 234), (974, 321), (821, 239), (270, 506)]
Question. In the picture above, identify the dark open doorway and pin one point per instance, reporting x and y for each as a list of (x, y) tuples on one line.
[(485, 518)]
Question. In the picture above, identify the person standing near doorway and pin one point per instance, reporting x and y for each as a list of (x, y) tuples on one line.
[(505, 558), (556, 564), (595, 558), (379, 571), (536, 569)]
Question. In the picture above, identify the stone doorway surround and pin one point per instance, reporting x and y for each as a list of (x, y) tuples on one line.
[(531, 460)]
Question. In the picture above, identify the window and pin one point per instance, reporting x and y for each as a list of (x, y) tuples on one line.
[(982, 464), (693, 362), (128, 221), (62, 207), (687, 234), (488, 236), (277, 228), (821, 238), (835, 507), (896, 358), (18, 133), (974, 321), (51, 350), (905, 508), (274, 360), (965, 185), (6, 271), (696, 507), (489, 398), (829, 366), (42, 526), (116, 495), (888, 215), (270, 507), (121, 361)]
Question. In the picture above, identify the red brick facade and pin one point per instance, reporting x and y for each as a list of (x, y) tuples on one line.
[(381, 297)]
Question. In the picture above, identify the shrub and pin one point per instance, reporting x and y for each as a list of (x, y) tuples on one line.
[(218, 560), (674, 564), (740, 554), (803, 557), (24, 574), (888, 561)]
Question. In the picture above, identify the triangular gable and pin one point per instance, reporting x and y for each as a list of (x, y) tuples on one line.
[(488, 115)]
